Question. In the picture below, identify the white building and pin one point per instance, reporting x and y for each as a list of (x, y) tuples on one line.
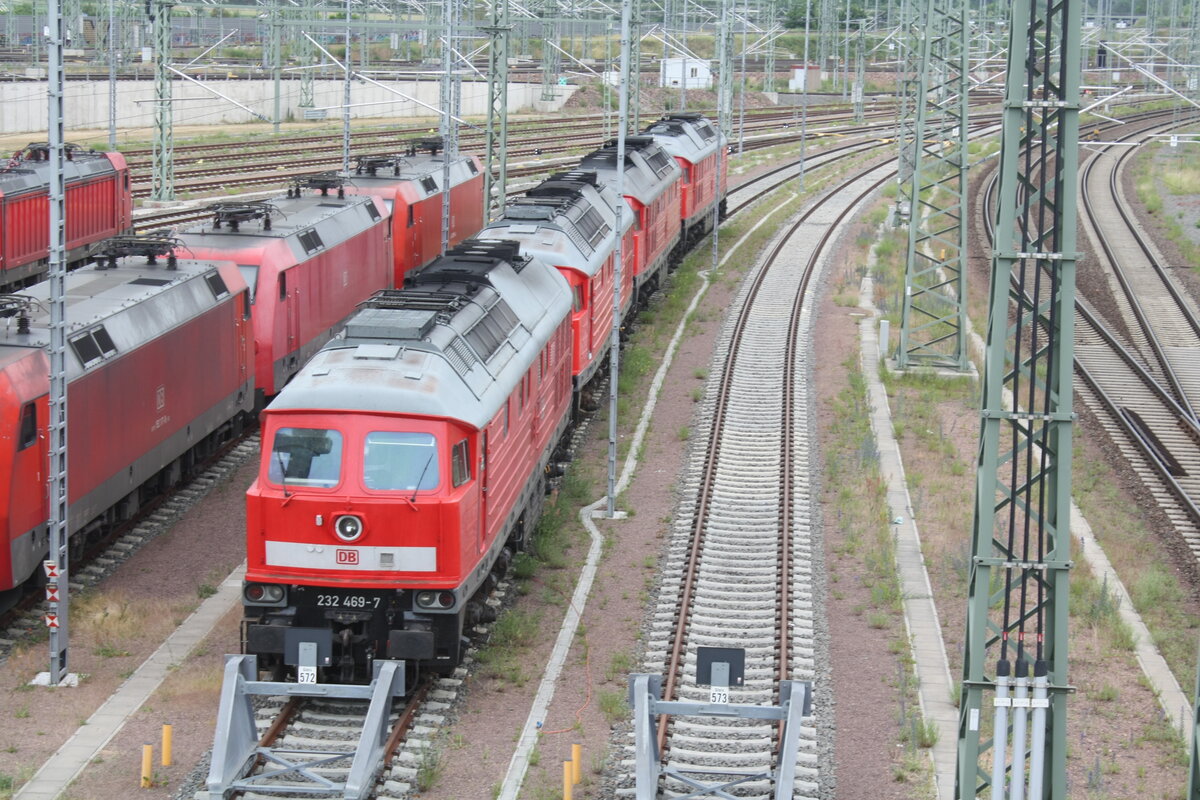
[(804, 78), (685, 73)]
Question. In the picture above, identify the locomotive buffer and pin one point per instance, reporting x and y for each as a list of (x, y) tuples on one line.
[(718, 668), (236, 749)]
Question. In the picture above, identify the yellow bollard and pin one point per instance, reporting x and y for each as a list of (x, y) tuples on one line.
[(166, 744), (576, 763), (567, 780), (147, 764)]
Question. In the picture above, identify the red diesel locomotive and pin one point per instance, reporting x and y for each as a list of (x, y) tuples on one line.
[(403, 464), (98, 206), (407, 461), (138, 414)]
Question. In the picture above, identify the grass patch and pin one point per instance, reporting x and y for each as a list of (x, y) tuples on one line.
[(614, 706)]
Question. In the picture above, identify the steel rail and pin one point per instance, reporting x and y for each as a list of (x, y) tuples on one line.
[(705, 494)]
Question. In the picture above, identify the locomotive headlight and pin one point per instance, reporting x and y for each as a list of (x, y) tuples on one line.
[(348, 527), (263, 594), (437, 600)]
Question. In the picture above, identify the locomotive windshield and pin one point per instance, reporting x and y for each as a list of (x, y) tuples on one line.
[(395, 461), (306, 456)]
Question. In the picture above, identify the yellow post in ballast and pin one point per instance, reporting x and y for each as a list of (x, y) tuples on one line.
[(567, 780), (166, 744), (576, 763), (147, 764)]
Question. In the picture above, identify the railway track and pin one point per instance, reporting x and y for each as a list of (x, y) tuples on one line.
[(1128, 381), (25, 620), (744, 564), (1167, 333), (307, 745)]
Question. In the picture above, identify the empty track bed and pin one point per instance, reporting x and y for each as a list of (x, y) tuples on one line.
[(744, 564)]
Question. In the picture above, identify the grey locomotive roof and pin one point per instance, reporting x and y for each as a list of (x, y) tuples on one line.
[(453, 343), (689, 136), (333, 219), (422, 169), (649, 169), (568, 219), (124, 307), (29, 175)]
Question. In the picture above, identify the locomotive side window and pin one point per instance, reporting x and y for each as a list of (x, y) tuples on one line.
[(410, 216), (28, 426), (577, 297), (460, 463), (306, 456), (283, 286), (396, 461)]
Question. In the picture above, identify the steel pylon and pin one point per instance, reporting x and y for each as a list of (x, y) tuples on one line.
[(1020, 545), (306, 54), (908, 67), (725, 65), (933, 321), (495, 171), (163, 179)]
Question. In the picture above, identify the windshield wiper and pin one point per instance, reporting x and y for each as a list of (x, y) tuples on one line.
[(424, 469), (282, 472)]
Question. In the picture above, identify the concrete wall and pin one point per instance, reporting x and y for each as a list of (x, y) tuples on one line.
[(24, 104)]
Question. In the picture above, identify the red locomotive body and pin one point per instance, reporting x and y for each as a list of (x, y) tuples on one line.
[(306, 270), (651, 187), (570, 221), (411, 186), (700, 150), (404, 463), (137, 412), (98, 206)]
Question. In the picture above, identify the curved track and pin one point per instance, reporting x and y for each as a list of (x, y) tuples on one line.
[(1132, 388), (744, 562)]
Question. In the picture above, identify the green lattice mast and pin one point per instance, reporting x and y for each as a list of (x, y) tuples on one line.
[(1013, 727)]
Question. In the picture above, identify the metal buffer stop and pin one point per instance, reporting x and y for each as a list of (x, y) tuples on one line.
[(718, 668), (236, 747)]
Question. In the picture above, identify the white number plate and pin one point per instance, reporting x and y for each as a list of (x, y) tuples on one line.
[(306, 674), (347, 601), (717, 695)]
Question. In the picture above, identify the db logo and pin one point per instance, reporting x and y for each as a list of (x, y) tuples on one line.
[(347, 557)]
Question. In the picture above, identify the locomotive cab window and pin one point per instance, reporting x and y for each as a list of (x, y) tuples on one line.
[(250, 274), (306, 457), (397, 461), (460, 463), (29, 426)]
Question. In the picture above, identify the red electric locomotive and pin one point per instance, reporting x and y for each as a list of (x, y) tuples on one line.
[(308, 259), (652, 191), (411, 186), (98, 206), (403, 464), (138, 414), (700, 150), (570, 221)]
